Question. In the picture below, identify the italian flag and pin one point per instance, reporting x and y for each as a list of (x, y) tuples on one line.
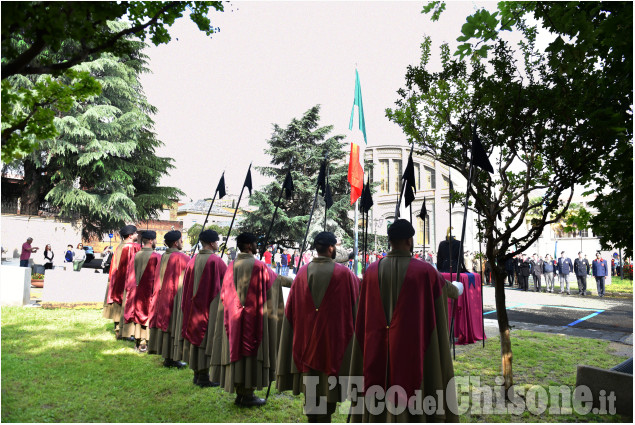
[(356, 164)]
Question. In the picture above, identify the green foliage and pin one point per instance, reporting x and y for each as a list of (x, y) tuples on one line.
[(49, 38), (28, 109), (301, 146), (102, 167), (196, 229), (592, 55)]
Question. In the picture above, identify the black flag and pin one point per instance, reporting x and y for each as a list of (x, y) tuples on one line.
[(367, 198), (288, 185), (424, 211), (409, 180), (479, 156), (221, 187), (328, 199), (322, 178), (248, 181)]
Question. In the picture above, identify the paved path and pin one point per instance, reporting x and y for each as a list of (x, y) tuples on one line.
[(591, 317)]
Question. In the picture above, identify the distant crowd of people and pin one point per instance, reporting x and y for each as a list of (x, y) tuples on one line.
[(72, 255), (521, 267)]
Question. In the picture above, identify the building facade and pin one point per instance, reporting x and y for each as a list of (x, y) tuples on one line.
[(386, 163)]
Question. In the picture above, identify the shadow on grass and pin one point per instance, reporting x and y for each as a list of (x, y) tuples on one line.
[(62, 366)]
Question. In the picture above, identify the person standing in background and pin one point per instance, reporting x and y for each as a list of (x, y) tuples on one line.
[(79, 256), (581, 268), (48, 257), (547, 269), (564, 268), (600, 271), (537, 266), (27, 249)]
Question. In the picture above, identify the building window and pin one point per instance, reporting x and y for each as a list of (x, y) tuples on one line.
[(558, 231), (417, 177), (429, 228), (446, 182), (397, 171), (429, 181), (384, 175)]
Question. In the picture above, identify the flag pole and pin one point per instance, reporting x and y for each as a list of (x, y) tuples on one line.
[(198, 238), (234, 217), (403, 186), (356, 247), (308, 225), (326, 208), (273, 218), (480, 249), (424, 230), (450, 259)]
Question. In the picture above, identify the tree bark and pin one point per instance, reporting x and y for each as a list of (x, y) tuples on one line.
[(32, 192), (503, 324)]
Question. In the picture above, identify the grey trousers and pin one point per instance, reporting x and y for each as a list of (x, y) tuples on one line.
[(564, 279), (549, 281)]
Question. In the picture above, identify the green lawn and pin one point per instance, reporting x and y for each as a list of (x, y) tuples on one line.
[(65, 366)]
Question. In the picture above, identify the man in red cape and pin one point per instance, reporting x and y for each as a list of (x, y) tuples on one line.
[(121, 266), (248, 325), (201, 286), (166, 300), (401, 342), (317, 331), (138, 292)]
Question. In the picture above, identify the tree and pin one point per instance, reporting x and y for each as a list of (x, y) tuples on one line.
[(594, 45), (102, 167), (301, 147), (49, 38), (540, 129), (195, 230)]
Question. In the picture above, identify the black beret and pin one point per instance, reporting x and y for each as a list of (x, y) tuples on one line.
[(246, 237), (127, 230), (149, 234), (171, 236), (325, 239), (209, 236), (401, 229)]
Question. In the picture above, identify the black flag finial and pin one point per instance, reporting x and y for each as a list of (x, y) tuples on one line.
[(221, 187), (367, 197)]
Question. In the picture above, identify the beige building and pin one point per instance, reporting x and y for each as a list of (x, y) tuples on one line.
[(432, 183)]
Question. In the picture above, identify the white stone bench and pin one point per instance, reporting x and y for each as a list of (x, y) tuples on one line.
[(64, 287), (15, 285)]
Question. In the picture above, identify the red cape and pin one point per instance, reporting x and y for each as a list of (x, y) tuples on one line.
[(321, 336), (406, 339), (119, 272), (139, 295), (163, 296), (243, 324), (196, 306)]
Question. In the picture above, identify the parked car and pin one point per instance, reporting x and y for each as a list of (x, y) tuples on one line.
[(161, 249), (90, 254)]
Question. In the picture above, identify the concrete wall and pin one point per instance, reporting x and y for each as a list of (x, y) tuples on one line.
[(70, 287), (43, 230)]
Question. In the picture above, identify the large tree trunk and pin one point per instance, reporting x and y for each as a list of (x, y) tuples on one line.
[(32, 193), (503, 325)]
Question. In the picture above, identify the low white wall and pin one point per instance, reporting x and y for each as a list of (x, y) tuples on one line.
[(65, 286), (15, 285), (16, 228)]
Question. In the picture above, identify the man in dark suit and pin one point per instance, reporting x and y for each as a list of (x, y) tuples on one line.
[(524, 270), (581, 268), (443, 255), (509, 269), (537, 267), (565, 266)]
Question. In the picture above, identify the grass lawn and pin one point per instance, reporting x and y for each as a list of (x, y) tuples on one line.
[(65, 366), (619, 288)]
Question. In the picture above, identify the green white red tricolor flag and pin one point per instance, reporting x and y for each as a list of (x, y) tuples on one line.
[(356, 162)]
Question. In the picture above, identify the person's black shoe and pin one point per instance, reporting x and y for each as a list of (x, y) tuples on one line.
[(173, 363), (195, 380), (239, 398), (252, 401), (204, 382)]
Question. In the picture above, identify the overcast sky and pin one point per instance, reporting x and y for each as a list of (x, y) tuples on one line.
[(271, 61)]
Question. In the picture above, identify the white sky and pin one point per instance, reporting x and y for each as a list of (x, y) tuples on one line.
[(271, 61)]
